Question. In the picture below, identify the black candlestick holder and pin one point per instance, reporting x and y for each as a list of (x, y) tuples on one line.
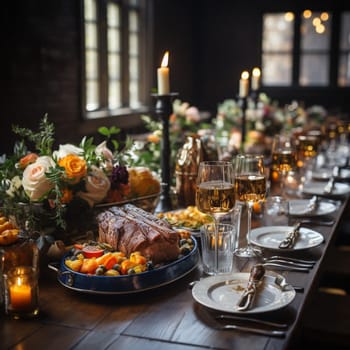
[(163, 110), (254, 96), (242, 102)]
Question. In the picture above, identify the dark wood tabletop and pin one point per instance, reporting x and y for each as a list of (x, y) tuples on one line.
[(165, 318)]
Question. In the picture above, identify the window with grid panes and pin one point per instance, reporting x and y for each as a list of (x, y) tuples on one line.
[(297, 49), (113, 56)]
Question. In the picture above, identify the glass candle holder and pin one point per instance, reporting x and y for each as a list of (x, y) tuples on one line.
[(22, 292), (24, 252)]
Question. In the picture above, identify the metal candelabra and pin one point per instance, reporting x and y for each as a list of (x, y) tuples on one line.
[(163, 110), (243, 104)]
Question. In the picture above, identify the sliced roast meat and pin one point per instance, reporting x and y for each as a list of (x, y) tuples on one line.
[(128, 229)]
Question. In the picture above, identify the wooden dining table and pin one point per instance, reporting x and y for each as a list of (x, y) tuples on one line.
[(165, 318)]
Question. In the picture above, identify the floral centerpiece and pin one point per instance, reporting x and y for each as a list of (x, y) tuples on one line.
[(56, 189), (264, 118)]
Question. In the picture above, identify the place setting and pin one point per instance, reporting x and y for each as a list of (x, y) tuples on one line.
[(312, 207), (326, 189), (226, 292)]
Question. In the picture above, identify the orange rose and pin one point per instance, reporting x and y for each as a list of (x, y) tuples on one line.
[(74, 166), (67, 196), (153, 138), (28, 159), (172, 118)]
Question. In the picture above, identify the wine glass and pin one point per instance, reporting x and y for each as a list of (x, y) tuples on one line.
[(250, 187), (215, 194), (283, 157)]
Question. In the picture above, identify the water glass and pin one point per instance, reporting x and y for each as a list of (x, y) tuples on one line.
[(276, 211), (217, 249)]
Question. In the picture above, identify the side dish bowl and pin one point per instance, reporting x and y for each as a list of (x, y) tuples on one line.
[(126, 284)]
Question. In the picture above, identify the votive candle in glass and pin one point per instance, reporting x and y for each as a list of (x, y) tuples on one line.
[(22, 292)]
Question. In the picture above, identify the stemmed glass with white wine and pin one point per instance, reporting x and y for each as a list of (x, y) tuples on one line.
[(283, 157), (215, 193), (250, 187)]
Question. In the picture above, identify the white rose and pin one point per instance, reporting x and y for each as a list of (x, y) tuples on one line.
[(64, 150), (103, 151), (97, 186), (14, 185), (34, 181)]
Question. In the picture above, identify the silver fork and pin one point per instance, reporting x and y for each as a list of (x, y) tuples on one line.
[(297, 260), (212, 321), (280, 260), (285, 267)]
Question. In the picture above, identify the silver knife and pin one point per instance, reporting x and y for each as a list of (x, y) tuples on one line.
[(291, 238), (256, 275), (252, 320), (267, 332)]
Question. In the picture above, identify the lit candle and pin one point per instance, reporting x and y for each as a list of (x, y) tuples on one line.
[(244, 84), (163, 76), (256, 79), (21, 295)]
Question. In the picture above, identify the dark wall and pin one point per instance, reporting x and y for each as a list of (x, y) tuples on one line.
[(210, 43), (40, 67)]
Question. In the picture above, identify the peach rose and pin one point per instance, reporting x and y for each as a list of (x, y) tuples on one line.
[(97, 186), (74, 166), (34, 181), (192, 115), (103, 150)]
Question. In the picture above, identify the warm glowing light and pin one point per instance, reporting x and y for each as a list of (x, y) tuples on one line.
[(245, 75), (256, 72), (165, 59), (289, 16), (244, 84), (324, 16), (320, 29), (316, 21), (163, 76), (256, 78), (307, 14)]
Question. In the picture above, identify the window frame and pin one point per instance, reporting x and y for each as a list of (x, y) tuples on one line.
[(124, 116), (333, 52)]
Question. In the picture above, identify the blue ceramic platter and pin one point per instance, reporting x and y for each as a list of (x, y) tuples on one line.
[(129, 283)]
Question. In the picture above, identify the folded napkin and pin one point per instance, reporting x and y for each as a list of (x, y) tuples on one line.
[(256, 275), (291, 237)]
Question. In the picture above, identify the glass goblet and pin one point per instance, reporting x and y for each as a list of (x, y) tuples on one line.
[(215, 194), (283, 157), (250, 188)]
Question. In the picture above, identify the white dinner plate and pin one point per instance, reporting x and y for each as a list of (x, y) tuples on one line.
[(271, 236), (325, 174), (222, 293), (298, 207), (317, 188)]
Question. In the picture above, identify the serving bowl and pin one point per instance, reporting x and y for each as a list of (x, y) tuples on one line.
[(126, 284)]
